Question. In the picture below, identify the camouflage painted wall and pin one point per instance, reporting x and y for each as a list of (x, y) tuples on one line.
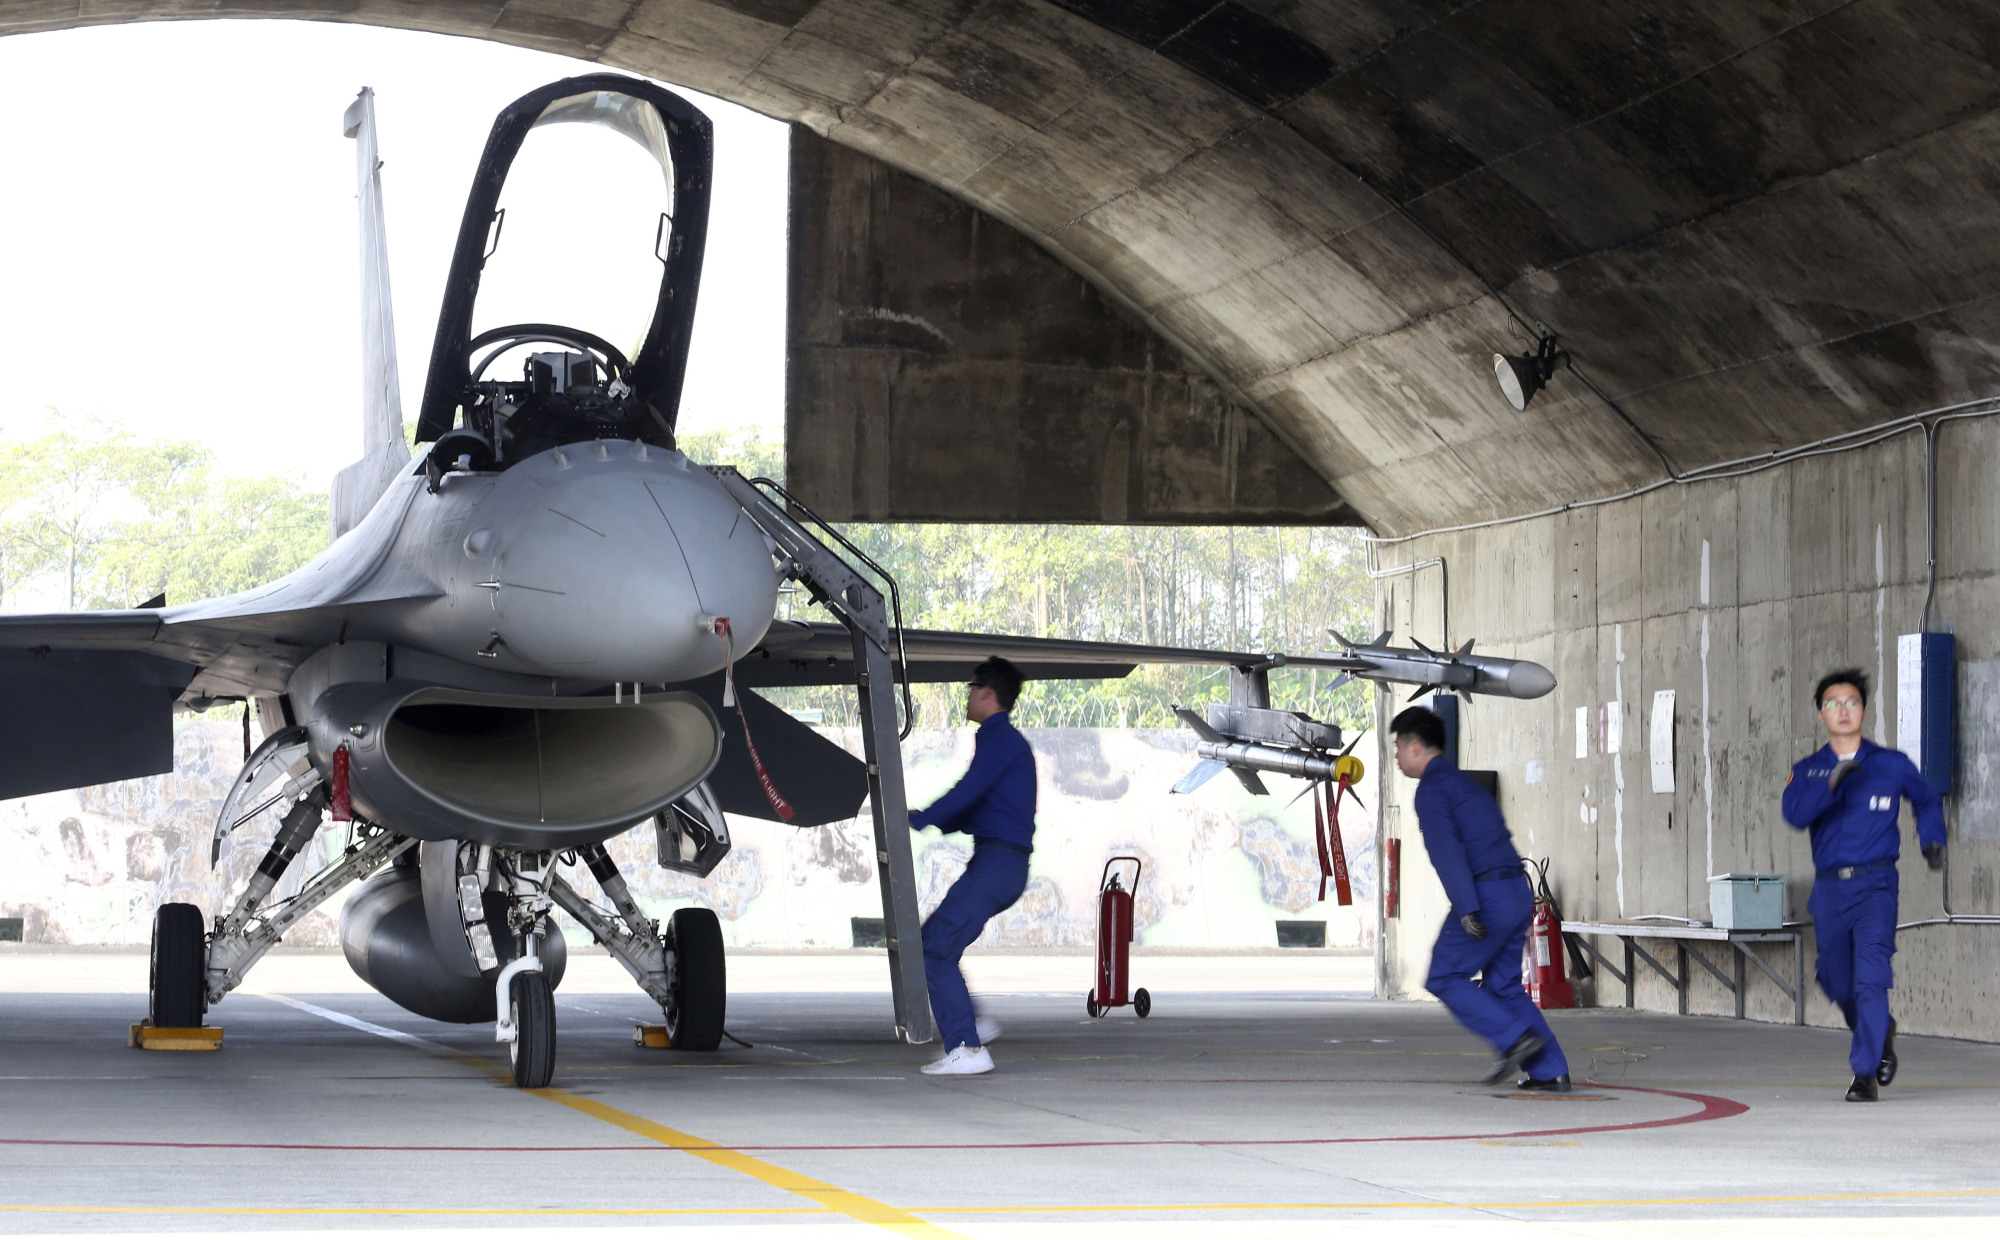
[(1221, 867)]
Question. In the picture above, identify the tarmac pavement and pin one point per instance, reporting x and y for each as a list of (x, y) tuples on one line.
[(1263, 1096)]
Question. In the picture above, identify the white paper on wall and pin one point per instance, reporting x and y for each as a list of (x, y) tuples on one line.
[(1583, 731), (1663, 741), (1535, 771), (1910, 695), (1611, 726)]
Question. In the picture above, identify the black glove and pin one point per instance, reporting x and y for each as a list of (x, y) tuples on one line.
[(1934, 856), (1473, 926), (1841, 771)]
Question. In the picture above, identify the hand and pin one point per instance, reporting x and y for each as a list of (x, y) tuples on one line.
[(1934, 856), (1841, 771), (1471, 924)]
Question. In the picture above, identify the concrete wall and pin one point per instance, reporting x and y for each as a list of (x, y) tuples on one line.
[(940, 366), (1737, 595)]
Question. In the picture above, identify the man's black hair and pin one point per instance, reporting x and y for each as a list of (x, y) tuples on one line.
[(1422, 724), (1002, 677), (1846, 676)]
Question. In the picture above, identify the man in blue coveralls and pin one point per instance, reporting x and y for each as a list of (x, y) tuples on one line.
[(1849, 794), (1491, 906), (995, 804)]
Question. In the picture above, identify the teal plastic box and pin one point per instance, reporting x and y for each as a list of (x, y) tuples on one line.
[(1747, 901)]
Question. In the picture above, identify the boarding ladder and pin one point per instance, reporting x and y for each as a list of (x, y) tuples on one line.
[(874, 620)]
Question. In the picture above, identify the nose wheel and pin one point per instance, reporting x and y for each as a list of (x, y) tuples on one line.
[(533, 1050)]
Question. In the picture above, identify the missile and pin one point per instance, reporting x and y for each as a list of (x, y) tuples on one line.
[(1288, 746), (1463, 672)]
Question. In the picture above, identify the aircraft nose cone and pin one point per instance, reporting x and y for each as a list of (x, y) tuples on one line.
[(1529, 680)]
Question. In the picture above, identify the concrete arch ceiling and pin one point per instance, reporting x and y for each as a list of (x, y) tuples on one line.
[(1754, 223)]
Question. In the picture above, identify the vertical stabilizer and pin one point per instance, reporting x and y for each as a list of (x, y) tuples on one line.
[(383, 452)]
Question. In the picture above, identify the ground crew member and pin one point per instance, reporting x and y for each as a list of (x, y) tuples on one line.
[(1849, 795), (995, 804), (1491, 906)]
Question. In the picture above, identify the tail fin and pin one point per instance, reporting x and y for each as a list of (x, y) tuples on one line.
[(383, 452)]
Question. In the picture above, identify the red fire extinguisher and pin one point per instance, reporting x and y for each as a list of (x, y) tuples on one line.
[(1542, 960), (1114, 945)]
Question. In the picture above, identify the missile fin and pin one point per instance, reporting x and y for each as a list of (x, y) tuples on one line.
[(1205, 770), (1200, 726), (1382, 638), (1339, 680), (1426, 649), (1421, 690), (1466, 649), (1249, 780)]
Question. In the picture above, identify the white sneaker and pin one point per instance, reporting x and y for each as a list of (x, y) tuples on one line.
[(987, 1028), (964, 1061)]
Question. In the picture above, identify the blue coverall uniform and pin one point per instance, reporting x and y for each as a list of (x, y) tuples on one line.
[(995, 804), (1855, 842), (1474, 856)]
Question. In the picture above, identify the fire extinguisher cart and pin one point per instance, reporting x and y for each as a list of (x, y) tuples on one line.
[(1114, 945)]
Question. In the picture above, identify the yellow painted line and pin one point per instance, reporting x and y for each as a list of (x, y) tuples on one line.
[(830, 1196), (839, 1200)]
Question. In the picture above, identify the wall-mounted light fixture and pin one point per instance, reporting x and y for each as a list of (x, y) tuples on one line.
[(1522, 375)]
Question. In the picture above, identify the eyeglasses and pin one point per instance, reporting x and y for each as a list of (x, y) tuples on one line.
[(1841, 704)]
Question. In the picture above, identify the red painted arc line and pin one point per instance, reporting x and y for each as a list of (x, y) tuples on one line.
[(1712, 1108)]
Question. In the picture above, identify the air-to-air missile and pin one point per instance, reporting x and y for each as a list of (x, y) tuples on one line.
[(1245, 735), (1463, 673)]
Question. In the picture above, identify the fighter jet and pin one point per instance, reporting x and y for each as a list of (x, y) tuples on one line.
[(542, 630)]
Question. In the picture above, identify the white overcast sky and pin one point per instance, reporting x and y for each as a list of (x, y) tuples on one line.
[(180, 235)]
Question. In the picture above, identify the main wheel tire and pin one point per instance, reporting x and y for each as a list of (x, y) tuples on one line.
[(1142, 1002), (177, 989), (1090, 1004), (701, 981), (533, 1050)]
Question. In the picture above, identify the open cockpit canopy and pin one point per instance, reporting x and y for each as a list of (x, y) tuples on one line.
[(557, 374)]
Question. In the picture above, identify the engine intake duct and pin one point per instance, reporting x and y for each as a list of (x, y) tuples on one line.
[(435, 754), (536, 764)]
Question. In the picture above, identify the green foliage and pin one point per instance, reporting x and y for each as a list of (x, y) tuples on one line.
[(1215, 588), (105, 519)]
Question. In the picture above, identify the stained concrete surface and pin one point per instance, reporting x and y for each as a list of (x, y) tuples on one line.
[(1271, 1112), (1752, 225)]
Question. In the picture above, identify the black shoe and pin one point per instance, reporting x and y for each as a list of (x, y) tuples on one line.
[(1863, 1090), (1525, 1047), (1885, 1073), (1553, 1085)]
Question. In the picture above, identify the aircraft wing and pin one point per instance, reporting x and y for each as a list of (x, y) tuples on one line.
[(88, 700), (806, 653)]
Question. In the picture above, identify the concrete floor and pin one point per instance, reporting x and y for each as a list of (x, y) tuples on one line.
[(1275, 1112)]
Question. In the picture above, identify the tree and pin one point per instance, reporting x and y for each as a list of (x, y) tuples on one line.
[(110, 519)]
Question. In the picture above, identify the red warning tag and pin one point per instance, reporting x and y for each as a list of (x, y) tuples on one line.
[(1332, 849)]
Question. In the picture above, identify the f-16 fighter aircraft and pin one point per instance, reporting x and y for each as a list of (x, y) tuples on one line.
[(541, 631)]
